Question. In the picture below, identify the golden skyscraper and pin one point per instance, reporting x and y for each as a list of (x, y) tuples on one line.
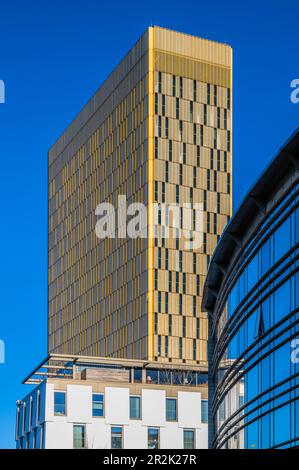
[(157, 130)]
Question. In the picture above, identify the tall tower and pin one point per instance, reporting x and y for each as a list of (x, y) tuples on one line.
[(157, 131)]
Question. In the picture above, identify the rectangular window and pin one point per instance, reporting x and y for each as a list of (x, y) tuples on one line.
[(166, 302), (184, 153), (184, 327), (197, 284), (191, 111), (153, 438), (156, 279), (181, 87), (181, 174), (194, 91), (208, 93), (218, 118), (218, 203), (194, 177), (116, 437), (194, 305), (189, 439), (215, 138), (166, 128), (181, 348), (156, 191), (208, 222), (225, 119), (181, 304), (177, 194), (160, 82), (194, 263), (204, 411), (156, 103), (208, 180), (205, 200), (163, 105), (160, 126), (170, 281), (198, 328), (135, 408), (173, 85), (156, 148), (31, 412), (215, 224), (225, 161), (170, 151), (215, 181), (97, 405), (198, 156), (228, 98), (59, 403), (194, 350), (181, 131), (156, 323), (228, 183), (194, 134), (159, 346), (166, 258), (170, 325), (205, 114), (201, 135), (171, 409), (78, 436), (166, 346), (211, 159), (215, 95)]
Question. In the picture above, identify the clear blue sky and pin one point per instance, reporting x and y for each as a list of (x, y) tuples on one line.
[(53, 56)]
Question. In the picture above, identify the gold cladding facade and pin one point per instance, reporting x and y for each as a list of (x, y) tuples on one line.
[(158, 130)]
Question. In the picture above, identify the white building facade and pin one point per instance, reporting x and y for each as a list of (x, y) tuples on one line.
[(106, 407)]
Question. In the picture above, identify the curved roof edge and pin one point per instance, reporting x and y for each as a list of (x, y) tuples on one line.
[(285, 162)]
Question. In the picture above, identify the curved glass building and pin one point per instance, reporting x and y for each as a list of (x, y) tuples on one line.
[(252, 297)]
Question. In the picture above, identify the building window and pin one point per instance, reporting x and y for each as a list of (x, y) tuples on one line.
[(181, 348), (181, 87), (159, 126), (177, 108), (194, 134), (153, 438), (215, 95), (194, 306), (170, 151), (171, 409), (197, 284), (208, 93), (156, 279), (59, 403), (166, 346), (166, 302), (225, 119), (156, 323), (228, 98), (97, 405), (177, 194), (166, 128), (189, 439), (194, 177), (160, 82), (156, 103), (79, 436), (194, 91), (181, 131), (191, 111), (205, 114), (159, 346), (194, 349), (184, 327), (163, 105), (218, 118), (197, 328), (173, 85), (170, 281), (228, 183), (135, 408), (116, 437), (170, 325), (204, 411), (156, 148)]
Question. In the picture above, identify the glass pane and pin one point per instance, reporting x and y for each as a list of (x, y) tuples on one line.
[(189, 439), (153, 438), (204, 411), (116, 437), (171, 409), (98, 405), (59, 404), (79, 437), (134, 407)]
